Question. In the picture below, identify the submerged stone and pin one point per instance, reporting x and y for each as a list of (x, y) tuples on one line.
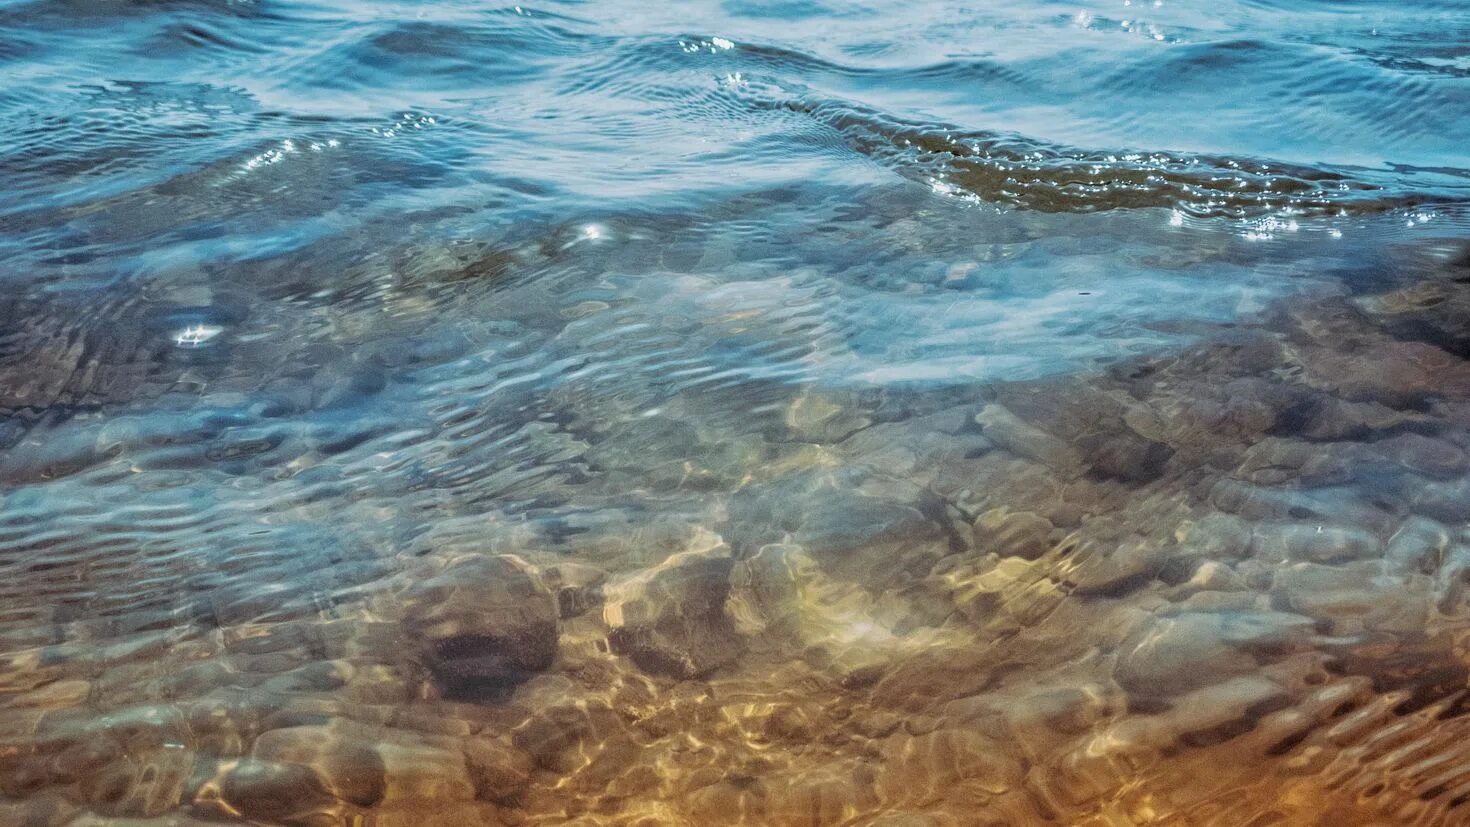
[(1012, 534), (500, 772), (267, 791), (1011, 433), (486, 624), (671, 619), (350, 767), (1185, 652)]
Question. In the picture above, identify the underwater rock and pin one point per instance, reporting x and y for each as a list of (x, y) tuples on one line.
[(350, 767), (142, 784), (1038, 722), (1026, 441), (1207, 715), (1348, 600), (768, 590), (486, 624), (1453, 581), (781, 595), (1331, 418), (414, 767), (1419, 546), (266, 791), (1099, 567), (1313, 542), (567, 737), (1012, 534), (1425, 455), (1448, 502), (1343, 505), (830, 511), (499, 771), (921, 768), (1275, 461), (578, 587), (670, 619), (1208, 576), (1126, 456), (1098, 427), (1215, 536), (814, 417), (1179, 654), (1400, 375), (1182, 653)]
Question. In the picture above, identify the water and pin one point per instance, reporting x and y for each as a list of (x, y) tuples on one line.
[(763, 413)]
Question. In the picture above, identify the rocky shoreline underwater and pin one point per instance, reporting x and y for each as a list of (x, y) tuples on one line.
[(1224, 584)]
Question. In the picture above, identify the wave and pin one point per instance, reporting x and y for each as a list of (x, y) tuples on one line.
[(1017, 171)]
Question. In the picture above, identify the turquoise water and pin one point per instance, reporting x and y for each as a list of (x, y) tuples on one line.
[(772, 412)]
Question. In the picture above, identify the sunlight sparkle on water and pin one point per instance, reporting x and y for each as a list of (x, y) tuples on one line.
[(197, 335)]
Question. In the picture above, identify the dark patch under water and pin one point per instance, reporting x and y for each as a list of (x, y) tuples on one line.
[(744, 413)]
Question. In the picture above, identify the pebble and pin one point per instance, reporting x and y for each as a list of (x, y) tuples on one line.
[(578, 587)]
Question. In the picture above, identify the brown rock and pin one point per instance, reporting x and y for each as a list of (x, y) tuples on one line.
[(923, 767), (416, 768), (498, 771), (486, 624), (432, 813), (671, 619), (351, 768), (578, 588), (265, 791)]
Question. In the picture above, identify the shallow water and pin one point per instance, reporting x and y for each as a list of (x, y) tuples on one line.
[(759, 413)]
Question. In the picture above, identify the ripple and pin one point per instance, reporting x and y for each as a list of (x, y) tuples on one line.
[(781, 412)]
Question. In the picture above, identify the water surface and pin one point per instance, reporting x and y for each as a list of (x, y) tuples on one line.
[(763, 413)]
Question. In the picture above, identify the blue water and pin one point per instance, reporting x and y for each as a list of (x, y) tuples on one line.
[(298, 295)]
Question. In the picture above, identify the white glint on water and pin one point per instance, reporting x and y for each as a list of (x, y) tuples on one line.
[(197, 335)]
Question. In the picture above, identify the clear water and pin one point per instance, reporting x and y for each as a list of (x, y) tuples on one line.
[(763, 413)]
